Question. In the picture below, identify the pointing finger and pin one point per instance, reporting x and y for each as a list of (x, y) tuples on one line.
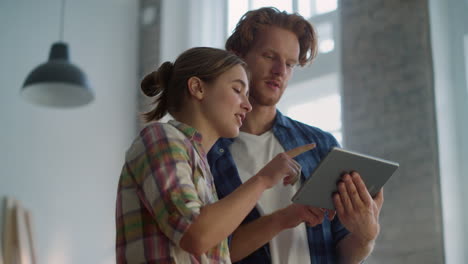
[(299, 150)]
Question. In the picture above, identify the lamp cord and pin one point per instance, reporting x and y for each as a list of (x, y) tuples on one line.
[(62, 20)]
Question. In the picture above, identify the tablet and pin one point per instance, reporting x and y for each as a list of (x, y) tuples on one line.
[(318, 189)]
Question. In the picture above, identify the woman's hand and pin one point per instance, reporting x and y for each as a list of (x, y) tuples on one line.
[(283, 166)]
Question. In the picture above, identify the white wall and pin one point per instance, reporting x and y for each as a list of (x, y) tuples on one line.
[(64, 165), (187, 24), (448, 30)]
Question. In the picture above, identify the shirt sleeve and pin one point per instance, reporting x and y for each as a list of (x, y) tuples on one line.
[(338, 230), (163, 171)]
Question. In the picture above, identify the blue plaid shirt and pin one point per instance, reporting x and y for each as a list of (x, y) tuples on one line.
[(322, 238)]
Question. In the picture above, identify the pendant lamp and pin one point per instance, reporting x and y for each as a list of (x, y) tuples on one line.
[(57, 82)]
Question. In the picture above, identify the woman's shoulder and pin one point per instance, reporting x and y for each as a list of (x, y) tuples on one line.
[(158, 136), (160, 130)]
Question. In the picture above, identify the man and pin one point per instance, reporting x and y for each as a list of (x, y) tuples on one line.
[(272, 43)]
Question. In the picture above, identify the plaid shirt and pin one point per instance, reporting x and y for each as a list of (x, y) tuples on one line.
[(322, 238), (164, 183)]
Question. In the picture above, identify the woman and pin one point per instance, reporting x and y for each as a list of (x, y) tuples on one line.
[(167, 207)]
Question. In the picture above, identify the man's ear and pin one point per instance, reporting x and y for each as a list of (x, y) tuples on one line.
[(195, 87)]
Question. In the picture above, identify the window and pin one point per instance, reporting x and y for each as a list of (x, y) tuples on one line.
[(326, 41), (307, 8), (325, 6), (316, 102), (323, 112), (280, 4), (304, 8), (236, 8)]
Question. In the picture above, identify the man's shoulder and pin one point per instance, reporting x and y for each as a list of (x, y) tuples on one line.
[(292, 133), (302, 128), (295, 123)]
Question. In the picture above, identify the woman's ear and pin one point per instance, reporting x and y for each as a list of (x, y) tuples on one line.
[(195, 87)]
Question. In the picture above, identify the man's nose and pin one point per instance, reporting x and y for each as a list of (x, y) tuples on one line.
[(279, 68)]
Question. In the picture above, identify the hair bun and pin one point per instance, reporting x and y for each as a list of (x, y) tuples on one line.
[(155, 82), (148, 85)]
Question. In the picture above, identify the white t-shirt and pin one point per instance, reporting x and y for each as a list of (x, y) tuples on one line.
[(251, 153)]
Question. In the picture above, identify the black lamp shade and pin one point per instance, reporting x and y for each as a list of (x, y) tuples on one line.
[(57, 83)]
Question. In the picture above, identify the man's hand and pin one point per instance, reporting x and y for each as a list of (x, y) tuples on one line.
[(357, 210)]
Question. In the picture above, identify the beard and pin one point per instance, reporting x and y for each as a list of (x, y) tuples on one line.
[(263, 98)]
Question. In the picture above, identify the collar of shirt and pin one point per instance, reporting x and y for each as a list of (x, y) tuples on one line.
[(192, 134), (188, 131), (280, 121)]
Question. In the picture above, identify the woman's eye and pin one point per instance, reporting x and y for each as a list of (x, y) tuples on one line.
[(237, 90)]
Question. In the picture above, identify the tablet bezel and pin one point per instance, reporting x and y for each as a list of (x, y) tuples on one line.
[(318, 189)]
